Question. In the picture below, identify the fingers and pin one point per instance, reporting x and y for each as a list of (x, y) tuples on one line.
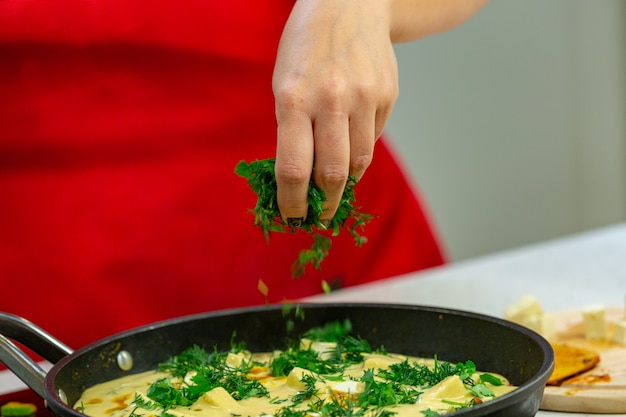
[(362, 138), (327, 146), (332, 158), (338, 145), (294, 162)]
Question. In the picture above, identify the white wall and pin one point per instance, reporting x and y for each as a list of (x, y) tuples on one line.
[(514, 124)]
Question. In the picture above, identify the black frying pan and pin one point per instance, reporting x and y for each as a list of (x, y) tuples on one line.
[(495, 345)]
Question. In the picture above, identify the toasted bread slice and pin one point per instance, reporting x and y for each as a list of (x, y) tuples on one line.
[(570, 361)]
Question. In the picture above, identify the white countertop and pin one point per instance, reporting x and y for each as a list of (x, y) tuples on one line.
[(563, 274)]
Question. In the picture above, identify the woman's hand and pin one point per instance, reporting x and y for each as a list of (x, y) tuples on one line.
[(335, 83)]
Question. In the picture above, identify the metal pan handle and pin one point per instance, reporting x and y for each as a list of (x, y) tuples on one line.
[(15, 328)]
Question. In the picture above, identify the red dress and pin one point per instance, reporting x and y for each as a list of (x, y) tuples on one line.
[(121, 123)]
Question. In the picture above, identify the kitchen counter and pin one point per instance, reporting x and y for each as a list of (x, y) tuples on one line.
[(563, 274)]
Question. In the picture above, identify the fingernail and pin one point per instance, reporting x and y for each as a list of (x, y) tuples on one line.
[(295, 222), (325, 223)]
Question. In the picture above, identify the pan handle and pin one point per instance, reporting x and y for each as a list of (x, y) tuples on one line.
[(16, 328)]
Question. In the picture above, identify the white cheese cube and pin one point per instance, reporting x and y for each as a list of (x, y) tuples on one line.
[(294, 379), (220, 398), (377, 361), (532, 322), (188, 378), (544, 324), (451, 389), (524, 307), (594, 322), (142, 396), (548, 326), (348, 387), (235, 360), (324, 349), (619, 336)]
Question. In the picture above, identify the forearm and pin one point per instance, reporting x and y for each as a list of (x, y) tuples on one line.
[(415, 19)]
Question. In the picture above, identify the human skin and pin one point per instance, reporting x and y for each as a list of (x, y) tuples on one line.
[(335, 83)]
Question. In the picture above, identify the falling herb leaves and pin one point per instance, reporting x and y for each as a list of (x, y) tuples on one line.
[(262, 180)]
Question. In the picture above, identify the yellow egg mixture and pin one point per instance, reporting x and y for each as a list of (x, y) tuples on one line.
[(301, 393)]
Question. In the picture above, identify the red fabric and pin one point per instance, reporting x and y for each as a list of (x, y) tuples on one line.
[(121, 123)]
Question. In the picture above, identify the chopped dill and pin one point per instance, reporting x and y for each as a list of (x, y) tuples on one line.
[(261, 178), (197, 371)]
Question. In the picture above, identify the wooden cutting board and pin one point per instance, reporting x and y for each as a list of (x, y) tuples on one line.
[(599, 390)]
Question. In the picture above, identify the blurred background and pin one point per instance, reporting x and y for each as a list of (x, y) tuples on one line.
[(513, 126)]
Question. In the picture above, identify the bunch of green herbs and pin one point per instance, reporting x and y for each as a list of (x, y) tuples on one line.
[(262, 180)]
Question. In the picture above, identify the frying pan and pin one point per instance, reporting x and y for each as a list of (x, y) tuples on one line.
[(495, 345)]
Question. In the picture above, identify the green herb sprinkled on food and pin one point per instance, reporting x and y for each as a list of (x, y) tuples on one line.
[(325, 371), (262, 180)]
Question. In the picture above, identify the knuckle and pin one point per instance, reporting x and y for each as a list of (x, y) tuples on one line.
[(333, 93), (375, 91), (365, 91), (286, 95), (389, 93), (332, 177), (291, 174), (288, 100), (360, 163), (387, 87)]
